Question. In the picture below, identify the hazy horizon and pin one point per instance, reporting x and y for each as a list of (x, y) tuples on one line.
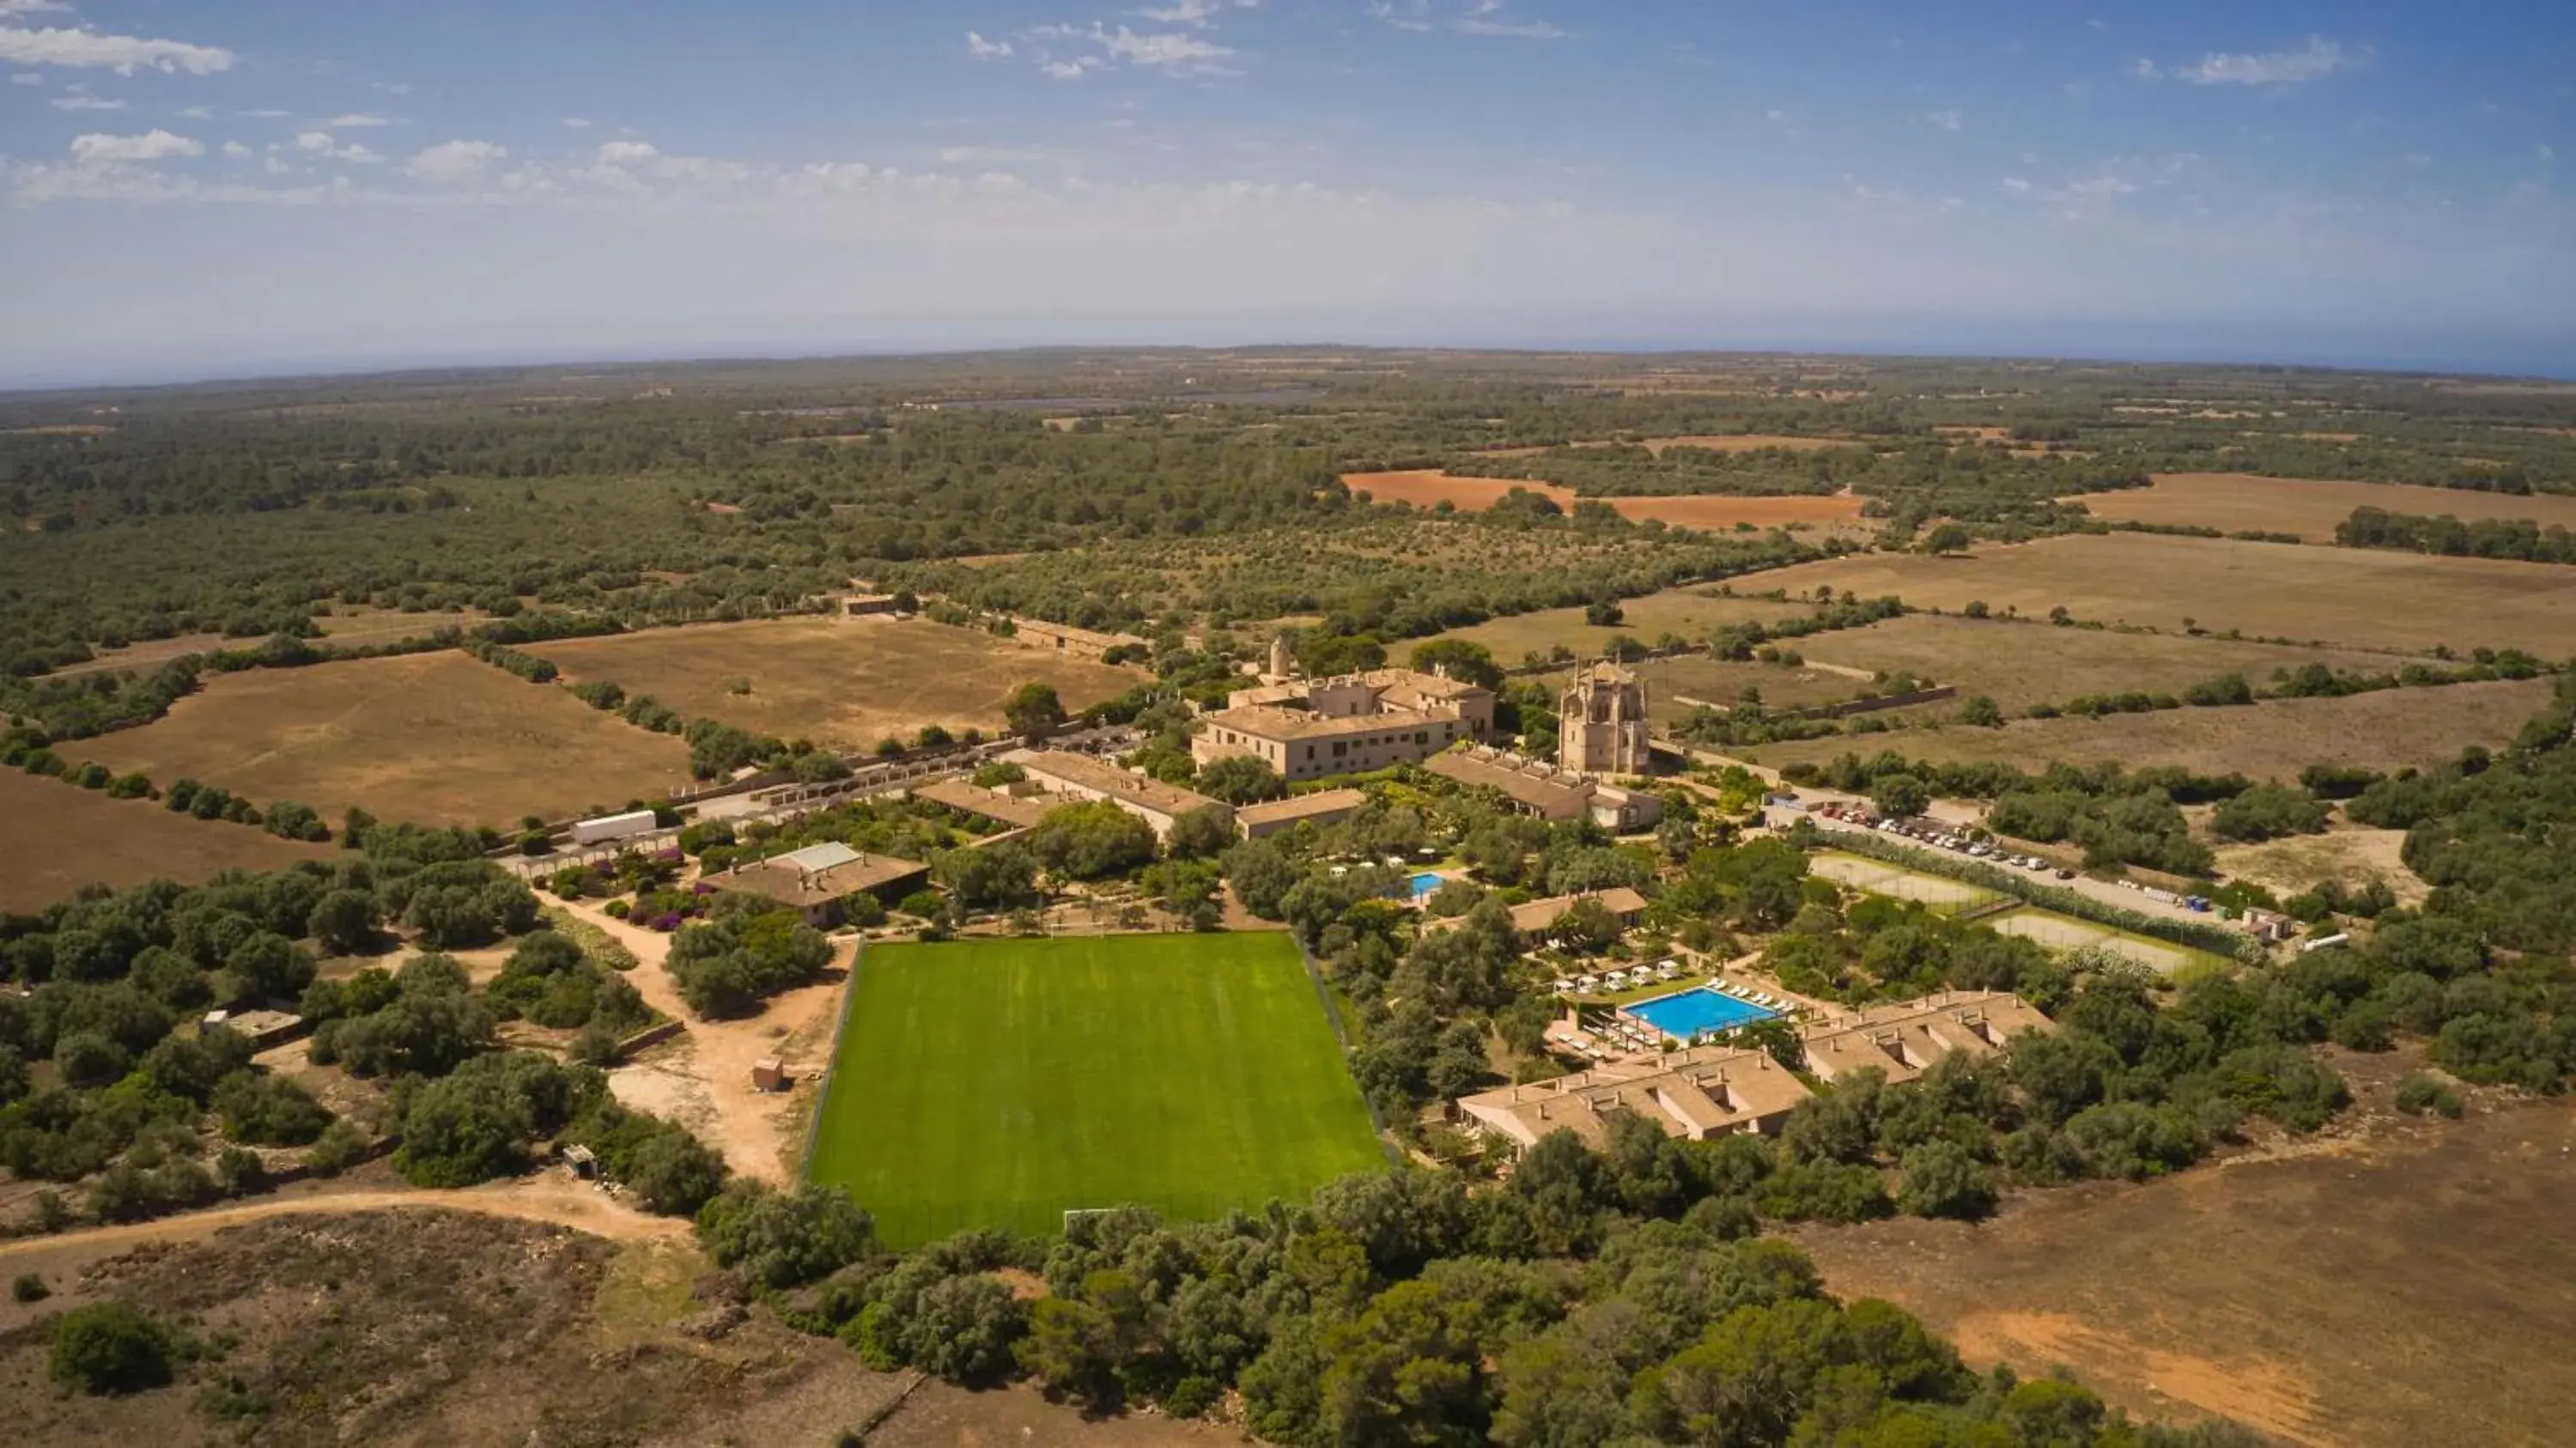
[(256, 186)]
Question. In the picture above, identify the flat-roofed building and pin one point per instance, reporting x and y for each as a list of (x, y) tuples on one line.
[(1702, 1092), (1323, 807), (815, 880), (1548, 791), (1073, 778), (1909, 1038), (1312, 728)]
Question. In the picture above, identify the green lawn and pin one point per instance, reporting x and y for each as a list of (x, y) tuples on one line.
[(996, 1083)]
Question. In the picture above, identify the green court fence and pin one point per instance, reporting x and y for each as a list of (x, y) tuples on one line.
[(823, 1088), (1342, 1038), (905, 1225)]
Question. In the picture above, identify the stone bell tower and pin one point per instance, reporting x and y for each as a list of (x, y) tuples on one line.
[(1601, 725)]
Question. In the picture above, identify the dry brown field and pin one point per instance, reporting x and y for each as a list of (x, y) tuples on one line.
[(433, 738), (1686, 611), (2308, 507), (2401, 1284), (2275, 739), (69, 837), (1718, 682), (848, 682), (357, 626), (1747, 442), (2355, 597), (364, 625), (2348, 853), (2023, 663), (1715, 512)]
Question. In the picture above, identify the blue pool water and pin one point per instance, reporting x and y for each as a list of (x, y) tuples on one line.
[(1426, 883), (1687, 1015)]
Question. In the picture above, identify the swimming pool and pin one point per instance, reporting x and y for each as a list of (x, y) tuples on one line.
[(1688, 1015), (1425, 883)]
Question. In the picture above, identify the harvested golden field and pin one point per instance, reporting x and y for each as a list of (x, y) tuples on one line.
[(848, 682), (85, 836), (1689, 611), (353, 628), (2406, 1284), (1714, 512), (2271, 740), (1748, 442), (2351, 854), (2351, 596), (2308, 507), (2022, 663), (361, 625), (1672, 684), (434, 738)]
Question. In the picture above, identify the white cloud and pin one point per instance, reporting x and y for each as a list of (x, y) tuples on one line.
[(236, 149), (1951, 121), (2016, 185), (620, 153), (29, 7), (1000, 156), (1192, 12), (26, 77), (1481, 17), (1481, 21), (82, 101), (1168, 50), (358, 122), (454, 162), (2146, 69), (2545, 151), (324, 144), (1074, 69), (2319, 57), (155, 145), (982, 49), (577, 123), (124, 54)]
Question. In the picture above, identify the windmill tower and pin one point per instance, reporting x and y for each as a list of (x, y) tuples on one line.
[(1601, 723), (1283, 664)]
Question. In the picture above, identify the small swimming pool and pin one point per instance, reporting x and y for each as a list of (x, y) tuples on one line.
[(1688, 1015), (1425, 883)]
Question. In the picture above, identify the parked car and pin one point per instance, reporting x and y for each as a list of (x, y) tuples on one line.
[(2065, 874)]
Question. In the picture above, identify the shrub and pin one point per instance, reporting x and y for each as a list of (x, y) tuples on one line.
[(110, 1347), (336, 1150), (2420, 1092), (781, 1239), (29, 1287)]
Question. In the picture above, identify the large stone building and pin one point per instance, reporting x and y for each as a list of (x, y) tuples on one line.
[(1601, 725), (1548, 791), (1311, 728)]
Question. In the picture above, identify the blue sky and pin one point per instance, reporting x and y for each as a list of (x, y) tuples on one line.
[(244, 185)]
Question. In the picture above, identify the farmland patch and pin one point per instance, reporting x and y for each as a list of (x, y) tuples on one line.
[(86, 837), (2353, 597), (848, 682), (2275, 739), (436, 738), (2308, 507)]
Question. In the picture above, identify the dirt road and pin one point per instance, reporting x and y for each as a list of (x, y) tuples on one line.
[(703, 1077), (550, 1198)]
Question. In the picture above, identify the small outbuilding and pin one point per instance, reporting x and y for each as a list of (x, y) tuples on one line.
[(769, 1073)]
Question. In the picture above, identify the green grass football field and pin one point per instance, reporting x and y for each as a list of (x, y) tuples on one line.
[(997, 1083)]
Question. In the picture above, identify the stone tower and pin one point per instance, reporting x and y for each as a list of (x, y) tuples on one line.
[(1601, 723), (1283, 665)]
